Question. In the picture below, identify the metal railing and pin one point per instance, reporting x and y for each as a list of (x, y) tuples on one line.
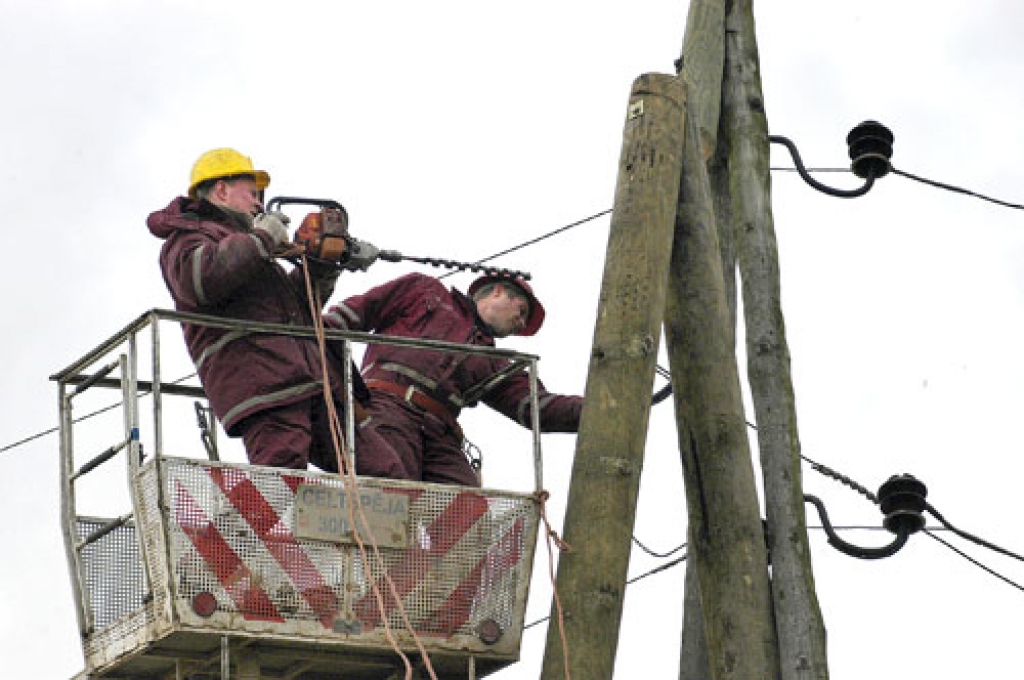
[(122, 374)]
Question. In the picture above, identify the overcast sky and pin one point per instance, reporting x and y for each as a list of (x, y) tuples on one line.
[(458, 129)]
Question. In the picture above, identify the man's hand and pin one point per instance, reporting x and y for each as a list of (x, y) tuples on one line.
[(273, 224)]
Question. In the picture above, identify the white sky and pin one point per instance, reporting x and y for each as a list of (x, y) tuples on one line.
[(457, 129)]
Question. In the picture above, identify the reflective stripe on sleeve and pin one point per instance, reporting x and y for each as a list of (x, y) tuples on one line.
[(197, 277), (524, 403), (410, 373), (350, 319), (215, 347), (262, 399)]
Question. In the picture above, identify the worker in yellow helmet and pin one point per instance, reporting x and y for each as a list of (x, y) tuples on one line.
[(223, 165), (218, 259)]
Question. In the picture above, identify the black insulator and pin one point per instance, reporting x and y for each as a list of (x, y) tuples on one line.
[(902, 500), (870, 149)]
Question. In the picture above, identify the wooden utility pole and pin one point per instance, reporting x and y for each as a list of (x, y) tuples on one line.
[(799, 626), (726, 536), (739, 623), (613, 430), (722, 71)]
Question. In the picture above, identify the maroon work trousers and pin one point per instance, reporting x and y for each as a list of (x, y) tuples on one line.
[(295, 435), (402, 441)]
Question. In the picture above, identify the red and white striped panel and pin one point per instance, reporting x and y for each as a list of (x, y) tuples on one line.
[(232, 539)]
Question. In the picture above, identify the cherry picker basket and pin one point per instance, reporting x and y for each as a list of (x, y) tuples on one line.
[(221, 567)]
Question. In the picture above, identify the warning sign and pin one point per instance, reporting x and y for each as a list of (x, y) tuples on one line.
[(322, 513)]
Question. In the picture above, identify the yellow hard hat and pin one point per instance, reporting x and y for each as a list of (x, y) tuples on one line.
[(224, 163)]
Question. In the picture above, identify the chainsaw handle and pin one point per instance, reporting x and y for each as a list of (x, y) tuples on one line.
[(277, 201)]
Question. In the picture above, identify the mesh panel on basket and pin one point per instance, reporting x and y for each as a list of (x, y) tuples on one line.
[(231, 537), (112, 572)]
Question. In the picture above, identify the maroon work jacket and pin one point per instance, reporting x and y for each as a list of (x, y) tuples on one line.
[(215, 266), (419, 306)]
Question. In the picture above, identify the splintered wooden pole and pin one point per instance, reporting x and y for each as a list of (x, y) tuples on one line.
[(801, 632), (613, 431), (700, 66), (726, 538)]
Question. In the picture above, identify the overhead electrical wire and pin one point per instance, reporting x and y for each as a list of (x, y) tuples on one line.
[(538, 239), (924, 180), (956, 189), (970, 537), (975, 562), (639, 577), (658, 569), (87, 416), (650, 552)]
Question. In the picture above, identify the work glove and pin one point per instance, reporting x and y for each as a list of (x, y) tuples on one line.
[(360, 255), (274, 224)]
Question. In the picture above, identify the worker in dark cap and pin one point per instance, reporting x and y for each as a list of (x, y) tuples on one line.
[(417, 394)]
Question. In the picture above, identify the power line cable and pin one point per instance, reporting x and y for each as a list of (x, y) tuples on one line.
[(35, 436), (650, 552), (923, 180), (538, 239), (782, 169), (930, 532), (973, 561), (829, 472), (970, 537), (87, 416), (652, 572), (956, 189), (663, 567)]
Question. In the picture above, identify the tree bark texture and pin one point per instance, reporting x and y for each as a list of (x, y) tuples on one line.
[(800, 630), (726, 538), (613, 430)]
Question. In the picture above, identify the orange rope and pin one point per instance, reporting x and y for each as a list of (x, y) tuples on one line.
[(551, 536), (354, 502)]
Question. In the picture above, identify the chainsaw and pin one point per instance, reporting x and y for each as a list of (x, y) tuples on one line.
[(323, 237)]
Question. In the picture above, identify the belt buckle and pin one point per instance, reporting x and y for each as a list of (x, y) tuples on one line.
[(409, 392)]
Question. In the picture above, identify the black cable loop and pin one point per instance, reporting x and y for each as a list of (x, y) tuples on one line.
[(869, 181), (849, 548), (930, 509)]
